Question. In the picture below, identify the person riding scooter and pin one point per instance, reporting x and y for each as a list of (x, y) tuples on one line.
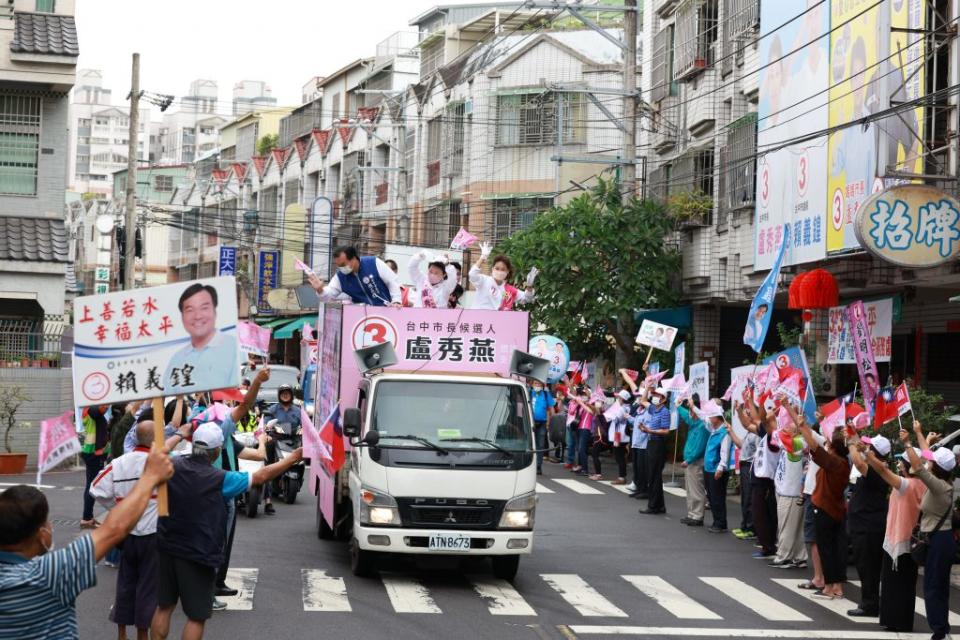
[(287, 416)]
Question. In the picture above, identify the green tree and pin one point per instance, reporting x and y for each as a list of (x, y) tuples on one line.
[(267, 143), (599, 263)]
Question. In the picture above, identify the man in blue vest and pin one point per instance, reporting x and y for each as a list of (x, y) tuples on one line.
[(190, 541), (367, 280)]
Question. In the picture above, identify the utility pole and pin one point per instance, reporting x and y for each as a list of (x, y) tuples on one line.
[(132, 159), (629, 172)]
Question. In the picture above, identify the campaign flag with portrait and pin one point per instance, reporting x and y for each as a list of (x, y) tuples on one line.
[(758, 319), (156, 341)]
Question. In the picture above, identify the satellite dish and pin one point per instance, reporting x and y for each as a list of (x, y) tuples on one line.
[(104, 223)]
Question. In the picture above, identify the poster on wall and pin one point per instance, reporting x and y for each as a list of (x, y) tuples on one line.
[(869, 72), (879, 315), (791, 182)]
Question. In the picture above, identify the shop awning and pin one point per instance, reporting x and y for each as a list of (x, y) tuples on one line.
[(286, 331), (272, 323), (679, 317)]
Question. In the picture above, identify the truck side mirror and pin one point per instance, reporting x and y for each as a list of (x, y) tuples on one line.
[(351, 422), (372, 438)]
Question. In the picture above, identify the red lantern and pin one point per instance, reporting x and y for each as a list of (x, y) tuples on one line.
[(793, 293), (818, 290), (807, 316)]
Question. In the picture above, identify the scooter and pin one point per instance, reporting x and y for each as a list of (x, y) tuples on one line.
[(251, 498), (287, 440)]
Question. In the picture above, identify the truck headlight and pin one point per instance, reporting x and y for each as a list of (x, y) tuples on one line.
[(377, 508), (519, 512)]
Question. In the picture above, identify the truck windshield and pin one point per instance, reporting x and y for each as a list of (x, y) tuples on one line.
[(451, 414)]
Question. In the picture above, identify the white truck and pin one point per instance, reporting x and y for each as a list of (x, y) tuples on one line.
[(439, 446)]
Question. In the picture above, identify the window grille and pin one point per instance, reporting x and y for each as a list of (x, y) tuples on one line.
[(453, 139), (739, 166), (513, 214), (19, 144), (696, 33), (163, 184), (663, 61), (531, 118)]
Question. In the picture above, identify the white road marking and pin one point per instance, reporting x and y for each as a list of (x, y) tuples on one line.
[(244, 581), (578, 487), (622, 488), (671, 598), (839, 607), (35, 486), (543, 489), (757, 601), (676, 491), (501, 598), (408, 595), (322, 592), (707, 632), (582, 596), (921, 608)]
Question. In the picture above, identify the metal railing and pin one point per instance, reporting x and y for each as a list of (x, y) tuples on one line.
[(38, 343)]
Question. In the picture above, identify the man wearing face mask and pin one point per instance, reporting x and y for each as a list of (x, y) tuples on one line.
[(364, 280), (543, 403), (657, 427), (39, 586)]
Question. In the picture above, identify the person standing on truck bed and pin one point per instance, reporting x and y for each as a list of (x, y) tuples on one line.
[(364, 280)]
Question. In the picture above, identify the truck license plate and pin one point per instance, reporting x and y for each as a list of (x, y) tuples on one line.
[(440, 542)]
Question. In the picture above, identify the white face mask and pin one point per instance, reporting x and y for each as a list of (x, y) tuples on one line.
[(500, 275), (345, 269), (656, 400), (434, 279)]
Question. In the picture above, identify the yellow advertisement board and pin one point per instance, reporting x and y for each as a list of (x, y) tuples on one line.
[(872, 67)]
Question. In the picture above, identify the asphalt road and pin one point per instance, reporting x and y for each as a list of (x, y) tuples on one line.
[(598, 569)]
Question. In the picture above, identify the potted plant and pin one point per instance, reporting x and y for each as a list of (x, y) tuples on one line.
[(11, 399)]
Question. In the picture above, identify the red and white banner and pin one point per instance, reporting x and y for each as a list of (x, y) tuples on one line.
[(58, 441)]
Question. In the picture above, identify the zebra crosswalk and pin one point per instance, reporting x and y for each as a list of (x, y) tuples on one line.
[(592, 488), (776, 601)]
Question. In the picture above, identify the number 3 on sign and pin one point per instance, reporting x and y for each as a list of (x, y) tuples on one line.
[(802, 175), (765, 187), (373, 330)]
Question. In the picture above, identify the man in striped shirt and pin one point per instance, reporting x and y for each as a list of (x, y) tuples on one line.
[(39, 586)]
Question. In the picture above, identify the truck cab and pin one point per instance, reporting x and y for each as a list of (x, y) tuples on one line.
[(440, 454)]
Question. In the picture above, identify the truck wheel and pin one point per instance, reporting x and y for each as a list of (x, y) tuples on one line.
[(505, 567), (361, 562), (324, 531), (289, 491), (253, 502)]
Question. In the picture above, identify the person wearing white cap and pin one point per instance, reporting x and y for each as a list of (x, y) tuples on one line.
[(657, 427), (898, 581), (190, 541), (717, 460), (935, 511), (867, 523)]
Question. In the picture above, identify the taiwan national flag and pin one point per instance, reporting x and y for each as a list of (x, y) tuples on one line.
[(886, 407), (330, 447)]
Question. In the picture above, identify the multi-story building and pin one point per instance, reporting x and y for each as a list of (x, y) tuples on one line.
[(192, 131), (239, 137), (252, 95), (99, 136), (715, 74), (36, 76)]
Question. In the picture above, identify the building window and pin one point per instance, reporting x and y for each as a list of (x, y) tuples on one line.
[(46, 6), (453, 140), (434, 145), (696, 35), (662, 71), (513, 214), (431, 57), (532, 118), (739, 167), (409, 155), (19, 144), (163, 184), (436, 227)]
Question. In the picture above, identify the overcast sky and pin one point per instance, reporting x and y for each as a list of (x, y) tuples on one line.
[(284, 42)]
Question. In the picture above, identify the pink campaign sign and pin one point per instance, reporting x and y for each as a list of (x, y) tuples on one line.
[(432, 340), (58, 441), (253, 338)]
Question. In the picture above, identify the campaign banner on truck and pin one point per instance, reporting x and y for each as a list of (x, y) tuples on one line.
[(656, 335), (156, 341), (840, 338)]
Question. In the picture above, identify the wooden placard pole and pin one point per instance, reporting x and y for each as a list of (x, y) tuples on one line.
[(649, 353), (163, 509)]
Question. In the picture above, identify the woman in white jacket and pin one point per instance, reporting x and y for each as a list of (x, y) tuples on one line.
[(495, 291), (435, 286)]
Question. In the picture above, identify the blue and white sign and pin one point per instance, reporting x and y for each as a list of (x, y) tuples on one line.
[(228, 261), (910, 225), (554, 350), (268, 275), (758, 320)]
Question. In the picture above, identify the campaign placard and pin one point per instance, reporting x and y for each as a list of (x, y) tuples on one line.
[(656, 335), (156, 341)]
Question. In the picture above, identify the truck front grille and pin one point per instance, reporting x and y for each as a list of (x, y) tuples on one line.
[(447, 513)]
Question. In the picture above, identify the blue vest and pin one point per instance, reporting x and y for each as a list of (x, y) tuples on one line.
[(711, 459), (196, 528), (366, 287)]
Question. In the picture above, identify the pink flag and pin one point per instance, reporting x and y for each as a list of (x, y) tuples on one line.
[(633, 373), (653, 379), (312, 447), (463, 239), (833, 421), (307, 331), (614, 412), (791, 389), (597, 396), (58, 441), (684, 393), (254, 338), (301, 266), (676, 383)]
